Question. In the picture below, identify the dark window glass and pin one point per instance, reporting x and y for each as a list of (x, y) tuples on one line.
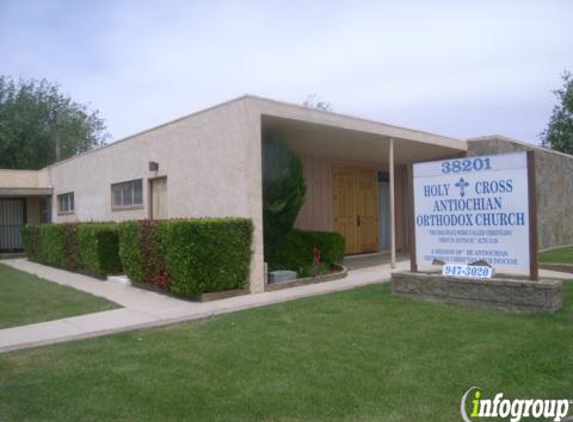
[(138, 192), (66, 202), (127, 194), (116, 195), (383, 176)]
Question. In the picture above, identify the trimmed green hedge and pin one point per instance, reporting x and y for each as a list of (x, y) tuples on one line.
[(70, 246), (129, 252), (30, 242), (92, 248), (51, 245), (298, 250), (188, 257), (98, 246)]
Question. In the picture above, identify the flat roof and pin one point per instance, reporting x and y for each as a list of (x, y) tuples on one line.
[(307, 114)]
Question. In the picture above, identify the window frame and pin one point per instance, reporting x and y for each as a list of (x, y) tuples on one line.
[(71, 209), (121, 186)]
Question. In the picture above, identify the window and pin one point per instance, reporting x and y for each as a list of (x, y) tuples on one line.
[(66, 203), (127, 194), (383, 176)]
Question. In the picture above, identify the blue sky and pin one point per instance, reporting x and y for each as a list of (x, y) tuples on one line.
[(458, 68)]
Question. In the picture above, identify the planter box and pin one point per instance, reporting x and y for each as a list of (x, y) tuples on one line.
[(340, 272), (281, 276), (203, 297), (225, 294), (507, 294)]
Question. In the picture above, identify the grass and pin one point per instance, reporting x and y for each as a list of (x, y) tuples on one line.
[(361, 355), (557, 256), (26, 299)]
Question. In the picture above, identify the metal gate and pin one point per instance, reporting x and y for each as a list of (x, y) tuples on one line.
[(12, 219)]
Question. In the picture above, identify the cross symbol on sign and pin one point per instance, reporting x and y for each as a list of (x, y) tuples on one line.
[(462, 184)]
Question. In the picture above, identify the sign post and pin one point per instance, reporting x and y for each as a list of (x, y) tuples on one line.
[(475, 209), (412, 220), (533, 264)]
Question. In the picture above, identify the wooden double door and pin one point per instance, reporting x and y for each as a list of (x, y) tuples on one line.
[(356, 208)]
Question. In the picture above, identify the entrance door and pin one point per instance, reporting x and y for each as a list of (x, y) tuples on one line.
[(356, 208), (345, 220), (367, 210), (158, 195), (12, 219)]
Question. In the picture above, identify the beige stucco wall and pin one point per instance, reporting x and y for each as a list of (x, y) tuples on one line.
[(44, 178), (203, 156), (19, 179), (212, 161)]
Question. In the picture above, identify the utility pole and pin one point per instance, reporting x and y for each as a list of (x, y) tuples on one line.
[(54, 122)]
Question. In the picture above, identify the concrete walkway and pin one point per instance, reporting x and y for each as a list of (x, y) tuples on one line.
[(143, 309)]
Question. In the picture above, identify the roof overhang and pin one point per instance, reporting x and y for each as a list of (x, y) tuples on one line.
[(23, 192), (325, 134)]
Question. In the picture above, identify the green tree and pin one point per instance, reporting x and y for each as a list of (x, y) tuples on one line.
[(33, 115), (559, 132), (284, 189)]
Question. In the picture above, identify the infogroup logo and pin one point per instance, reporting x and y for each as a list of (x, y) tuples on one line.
[(513, 410)]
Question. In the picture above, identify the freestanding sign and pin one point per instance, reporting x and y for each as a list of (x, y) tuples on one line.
[(475, 209)]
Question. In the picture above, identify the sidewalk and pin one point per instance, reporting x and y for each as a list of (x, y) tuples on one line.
[(144, 309)]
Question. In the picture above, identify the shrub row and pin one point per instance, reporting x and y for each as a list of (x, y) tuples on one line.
[(188, 257), (99, 248), (302, 251), (92, 248)]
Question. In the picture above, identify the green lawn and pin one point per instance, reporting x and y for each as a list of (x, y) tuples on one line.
[(25, 299), (360, 355), (558, 256)]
